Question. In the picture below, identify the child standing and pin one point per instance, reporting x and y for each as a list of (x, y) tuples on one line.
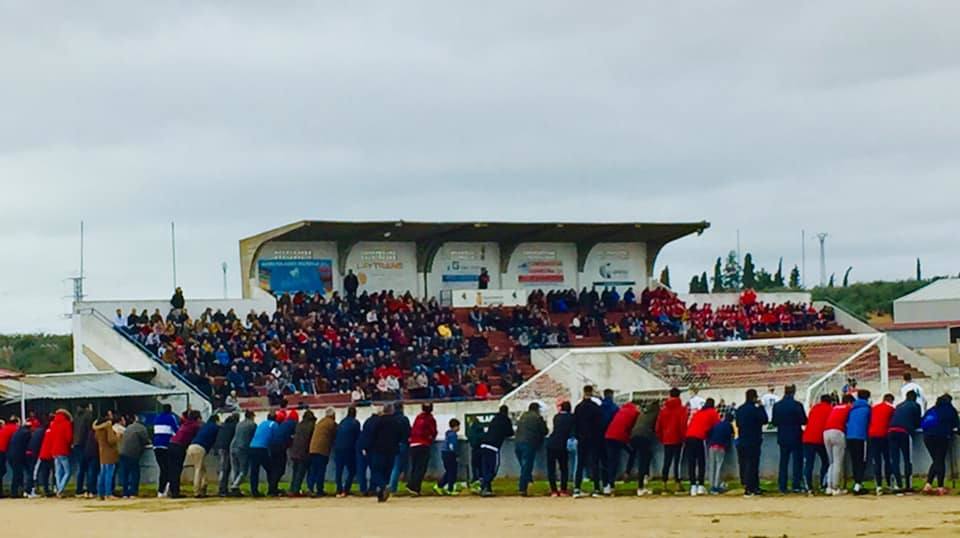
[(719, 442), (451, 444)]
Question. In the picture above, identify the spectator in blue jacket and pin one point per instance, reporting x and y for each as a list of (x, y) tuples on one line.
[(345, 451), (939, 424), (905, 421), (164, 426), (363, 444), (259, 455), (750, 420), (858, 423), (719, 442), (789, 418), (197, 452), (400, 461)]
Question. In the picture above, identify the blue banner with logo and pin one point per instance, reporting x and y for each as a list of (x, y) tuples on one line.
[(291, 276)]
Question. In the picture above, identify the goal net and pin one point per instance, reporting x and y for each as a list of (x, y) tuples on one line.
[(816, 365)]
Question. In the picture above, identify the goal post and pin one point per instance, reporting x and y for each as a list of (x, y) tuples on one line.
[(815, 364)]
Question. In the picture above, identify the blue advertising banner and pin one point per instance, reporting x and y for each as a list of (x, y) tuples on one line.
[(309, 276)]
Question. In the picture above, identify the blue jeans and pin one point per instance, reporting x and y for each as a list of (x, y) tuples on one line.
[(318, 473), (788, 452), (899, 444), (129, 476), (105, 480), (79, 460), (345, 459), (449, 479), (399, 466), (61, 470), (93, 475), (526, 454)]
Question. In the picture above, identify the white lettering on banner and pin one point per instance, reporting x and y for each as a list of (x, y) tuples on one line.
[(378, 255), (292, 254), (488, 298), (540, 254)]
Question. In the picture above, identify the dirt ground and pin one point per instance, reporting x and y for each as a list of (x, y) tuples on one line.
[(490, 518)]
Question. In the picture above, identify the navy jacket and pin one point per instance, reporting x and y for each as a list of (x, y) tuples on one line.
[(207, 435), (721, 435), (17, 450), (588, 423), (562, 431), (906, 417), (348, 433), (499, 430), (366, 434), (608, 409), (789, 418), (947, 421), (750, 420)]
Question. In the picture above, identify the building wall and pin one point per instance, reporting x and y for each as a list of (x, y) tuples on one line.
[(934, 310), (921, 338)]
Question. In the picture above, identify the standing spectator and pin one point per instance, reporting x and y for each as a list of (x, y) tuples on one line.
[(877, 446), (16, 456), (280, 440), (905, 420), (531, 431), (39, 449), (109, 455), (475, 434), (719, 442), (91, 455), (164, 426), (197, 452), (589, 431), (498, 431), (483, 281), (240, 451), (61, 441), (221, 447), (617, 436), (350, 284), (939, 424), (259, 454), (322, 440), (300, 453), (177, 302), (643, 438), (750, 420), (908, 385), (363, 446), (387, 434), (82, 425), (557, 456), (813, 446), (400, 465), (177, 451), (789, 418), (671, 429), (133, 443), (422, 435), (834, 440), (6, 433), (858, 422), (345, 451), (695, 445), (451, 447), (768, 400)]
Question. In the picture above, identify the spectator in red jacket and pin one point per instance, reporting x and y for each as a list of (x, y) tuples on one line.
[(617, 436), (877, 447), (61, 439), (671, 429), (813, 447), (422, 434), (698, 430), (6, 433), (835, 441), (44, 465)]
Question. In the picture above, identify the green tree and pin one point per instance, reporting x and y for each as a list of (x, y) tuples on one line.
[(695, 284), (866, 299), (778, 276), (732, 273), (919, 273), (36, 353), (830, 282), (764, 280), (665, 276), (795, 278), (704, 283), (846, 276), (749, 278), (718, 276)]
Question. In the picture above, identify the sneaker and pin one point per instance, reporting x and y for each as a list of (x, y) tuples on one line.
[(701, 490), (941, 491), (641, 492), (486, 493), (927, 488), (438, 490), (596, 495), (608, 490), (879, 492), (413, 493), (577, 494), (693, 491), (564, 493), (748, 495)]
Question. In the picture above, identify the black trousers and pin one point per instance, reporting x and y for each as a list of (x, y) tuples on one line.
[(419, 460), (937, 447), (899, 444), (749, 458), (558, 458), (671, 456), (175, 455), (163, 463), (641, 454), (588, 456), (275, 470), (857, 448), (696, 461), (476, 465)]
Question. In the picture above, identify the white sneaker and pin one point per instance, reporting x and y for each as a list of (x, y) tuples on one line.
[(607, 490), (577, 494), (644, 492), (693, 491), (701, 490)]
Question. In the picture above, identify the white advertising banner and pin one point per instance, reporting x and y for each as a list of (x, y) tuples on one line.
[(457, 265), (543, 265), (620, 265), (384, 266), (485, 298)]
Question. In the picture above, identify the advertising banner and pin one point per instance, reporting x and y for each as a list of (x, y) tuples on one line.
[(485, 298), (309, 276)]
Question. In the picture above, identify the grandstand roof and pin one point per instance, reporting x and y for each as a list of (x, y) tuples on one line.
[(78, 386), (944, 289), (429, 236)]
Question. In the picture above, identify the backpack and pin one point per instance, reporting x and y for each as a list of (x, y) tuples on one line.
[(930, 421)]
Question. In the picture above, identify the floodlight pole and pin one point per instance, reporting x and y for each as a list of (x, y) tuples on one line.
[(822, 236)]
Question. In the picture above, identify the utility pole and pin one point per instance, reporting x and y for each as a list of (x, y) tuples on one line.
[(78, 280), (173, 249), (224, 267), (803, 259), (822, 237)]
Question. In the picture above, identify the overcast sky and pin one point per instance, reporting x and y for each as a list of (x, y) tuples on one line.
[(231, 118)]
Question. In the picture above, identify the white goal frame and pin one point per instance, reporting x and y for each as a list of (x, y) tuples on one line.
[(869, 340)]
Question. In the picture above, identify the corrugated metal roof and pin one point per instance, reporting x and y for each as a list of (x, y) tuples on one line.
[(9, 374), (78, 386), (938, 290)]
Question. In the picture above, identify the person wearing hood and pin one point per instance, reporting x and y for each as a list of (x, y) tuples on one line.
[(422, 435), (345, 451), (109, 454), (322, 440), (280, 440), (905, 420), (789, 419), (221, 448), (939, 424), (643, 439), (82, 425), (589, 431), (17, 457), (61, 442), (557, 456), (719, 442), (671, 428), (133, 443), (858, 425), (617, 436), (531, 431), (300, 453)]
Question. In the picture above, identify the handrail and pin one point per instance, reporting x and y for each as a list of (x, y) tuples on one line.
[(146, 351)]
